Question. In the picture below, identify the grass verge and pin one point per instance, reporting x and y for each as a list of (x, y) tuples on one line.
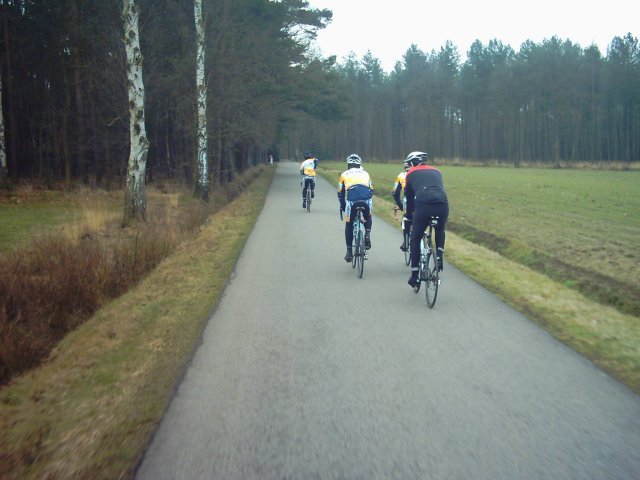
[(90, 410)]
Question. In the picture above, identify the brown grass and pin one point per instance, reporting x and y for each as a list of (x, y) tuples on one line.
[(63, 276), (90, 409)]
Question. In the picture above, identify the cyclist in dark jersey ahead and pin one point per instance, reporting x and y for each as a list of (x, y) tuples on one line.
[(426, 197)]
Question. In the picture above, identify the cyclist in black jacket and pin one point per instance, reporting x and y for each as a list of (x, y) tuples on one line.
[(426, 197)]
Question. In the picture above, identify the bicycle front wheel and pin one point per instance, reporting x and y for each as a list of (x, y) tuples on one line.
[(407, 252), (432, 280)]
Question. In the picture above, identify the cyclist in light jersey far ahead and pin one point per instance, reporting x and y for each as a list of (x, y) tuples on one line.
[(308, 171), (401, 202), (355, 188)]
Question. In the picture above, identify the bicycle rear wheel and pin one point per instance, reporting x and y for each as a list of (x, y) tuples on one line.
[(354, 243), (432, 279), (407, 252), (308, 198), (360, 255)]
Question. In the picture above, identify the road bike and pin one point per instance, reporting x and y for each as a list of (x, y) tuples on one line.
[(358, 247), (406, 237), (428, 271), (307, 198)]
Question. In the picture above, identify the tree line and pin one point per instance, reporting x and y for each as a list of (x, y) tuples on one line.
[(64, 84), (66, 111), (551, 102)]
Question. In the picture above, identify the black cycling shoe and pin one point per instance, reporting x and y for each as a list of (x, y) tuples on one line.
[(367, 239), (313, 194), (440, 263), (304, 204), (413, 281), (349, 256), (404, 248)]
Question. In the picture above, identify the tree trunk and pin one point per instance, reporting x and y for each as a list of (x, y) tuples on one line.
[(202, 184), (12, 158), (135, 200), (3, 153)]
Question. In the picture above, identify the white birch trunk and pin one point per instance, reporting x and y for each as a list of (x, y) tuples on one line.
[(202, 184), (135, 201), (3, 151)]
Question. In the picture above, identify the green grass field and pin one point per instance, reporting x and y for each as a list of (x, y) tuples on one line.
[(19, 220), (580, 227)]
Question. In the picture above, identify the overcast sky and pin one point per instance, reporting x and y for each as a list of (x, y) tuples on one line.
[(388, 27)]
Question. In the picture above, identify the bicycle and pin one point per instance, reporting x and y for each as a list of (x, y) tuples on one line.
[(307, 198), (358, 248), (406, 237), (428, 267)]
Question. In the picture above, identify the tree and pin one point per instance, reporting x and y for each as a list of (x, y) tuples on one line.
[(135, 200), (3, 155), (202, 185)]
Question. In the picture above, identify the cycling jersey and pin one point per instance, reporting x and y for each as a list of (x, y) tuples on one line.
[(424, 185), (398, 188), (308, 167), (355, 184)]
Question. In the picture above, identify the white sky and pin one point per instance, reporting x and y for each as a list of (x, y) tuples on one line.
[(388, 28)]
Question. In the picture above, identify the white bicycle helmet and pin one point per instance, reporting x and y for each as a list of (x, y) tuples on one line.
[(354, 159), (415, 158)]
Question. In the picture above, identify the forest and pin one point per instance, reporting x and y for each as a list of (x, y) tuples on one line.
[(65, 109)]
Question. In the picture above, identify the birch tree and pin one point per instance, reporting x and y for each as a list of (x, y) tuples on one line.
[(135, 201), (202, 184), (3, 154)]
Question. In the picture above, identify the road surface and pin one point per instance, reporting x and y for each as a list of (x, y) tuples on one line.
[(307, 372)]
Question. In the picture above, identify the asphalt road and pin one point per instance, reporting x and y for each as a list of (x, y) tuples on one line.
[(307, 372)]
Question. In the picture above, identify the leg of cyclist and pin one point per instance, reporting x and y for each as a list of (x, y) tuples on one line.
[(304, 193), (312, 182), (420, 220), (348, 232), (368, 225), (442, 211)]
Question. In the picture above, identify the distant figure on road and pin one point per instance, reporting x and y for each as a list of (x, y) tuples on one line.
[(308, 172), (426, 197), (354, 188), (398, 195)]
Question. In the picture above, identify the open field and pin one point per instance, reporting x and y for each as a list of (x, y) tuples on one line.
[(591, 324), (580, 227), (23, 215)]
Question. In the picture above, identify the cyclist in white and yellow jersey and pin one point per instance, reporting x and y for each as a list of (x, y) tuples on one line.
[(355, 188), (308, 172), (401, 202)]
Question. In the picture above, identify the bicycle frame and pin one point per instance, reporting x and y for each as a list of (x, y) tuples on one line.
[(358, 248)]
